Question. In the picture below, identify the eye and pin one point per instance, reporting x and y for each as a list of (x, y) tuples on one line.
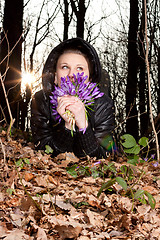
[(65, 67), (80, 68)]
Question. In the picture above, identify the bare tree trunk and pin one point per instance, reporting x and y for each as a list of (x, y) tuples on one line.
[(142, 85), (149, 83), (131, 88), (80, 11), (158, 90), (12, 26), (158, 60), (66, 20)]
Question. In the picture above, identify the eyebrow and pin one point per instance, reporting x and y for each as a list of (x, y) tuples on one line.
[(79, 64)]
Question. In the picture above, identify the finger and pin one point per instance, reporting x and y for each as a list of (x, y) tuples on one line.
[(65, 100)]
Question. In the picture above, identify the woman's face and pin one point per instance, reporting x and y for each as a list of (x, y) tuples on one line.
[(69, 63)]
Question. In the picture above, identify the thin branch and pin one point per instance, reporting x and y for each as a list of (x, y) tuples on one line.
[(3, 150), (3, 86), (9, 52), (4, 119), (8, 106)]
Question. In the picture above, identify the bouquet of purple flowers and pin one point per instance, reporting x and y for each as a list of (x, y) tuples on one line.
[(86, 92)]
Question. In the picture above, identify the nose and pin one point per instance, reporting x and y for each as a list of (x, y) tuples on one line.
[(70, 74)]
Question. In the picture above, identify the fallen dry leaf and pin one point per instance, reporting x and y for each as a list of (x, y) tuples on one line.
[(28, 176), (3, 230), (41, 235), (94, 218), (83, 238), (18, 235), (156, 233), (66, 232), (143, 209), (46, 203)]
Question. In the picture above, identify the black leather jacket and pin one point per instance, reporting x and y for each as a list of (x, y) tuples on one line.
[(96, 141)]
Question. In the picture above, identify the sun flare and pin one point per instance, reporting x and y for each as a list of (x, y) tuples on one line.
[(28, 79)]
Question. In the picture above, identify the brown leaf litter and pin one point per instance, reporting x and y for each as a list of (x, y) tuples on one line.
[(40, 200)]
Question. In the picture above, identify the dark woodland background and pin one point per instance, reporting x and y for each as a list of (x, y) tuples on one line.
[(125, 76)]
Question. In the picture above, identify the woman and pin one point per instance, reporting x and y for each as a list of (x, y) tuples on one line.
[(68, 58)]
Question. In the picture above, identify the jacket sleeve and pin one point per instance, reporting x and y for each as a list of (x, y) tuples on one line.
[(45, 131), (98, 140)]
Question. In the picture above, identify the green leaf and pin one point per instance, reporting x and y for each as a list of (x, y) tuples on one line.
[(83, 171), (129, 141), (136, 157), (151, 199), (95, 173), (124, 169), (122, 182), (71, 171), (19, 163), (139, 193), (133, 161), (111, 167), (106, 186), (133, 150), (142, 199), (82, 203), (26, 160), (140, 196), (48, 149), (10, 191), (143, 141)]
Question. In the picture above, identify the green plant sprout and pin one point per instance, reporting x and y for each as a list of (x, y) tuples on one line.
[(48, 149), (10, 191), (97, 169), (126, 177), (22, 161)]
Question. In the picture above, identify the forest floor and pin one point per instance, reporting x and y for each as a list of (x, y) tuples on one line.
[(40, 200)]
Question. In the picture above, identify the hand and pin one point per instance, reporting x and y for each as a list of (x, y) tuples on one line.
[(63, 103), (76, 107)]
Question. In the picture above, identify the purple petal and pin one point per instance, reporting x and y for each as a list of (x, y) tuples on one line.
[(83, 130), (155, 164), (153, 156), (96, 163)]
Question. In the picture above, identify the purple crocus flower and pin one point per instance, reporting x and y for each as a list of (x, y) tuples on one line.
[(155, 164), (153, 156), (96, 163), (86, 92)]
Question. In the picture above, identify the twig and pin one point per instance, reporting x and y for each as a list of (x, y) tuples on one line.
[(8, 106), (128, 117), (4, 119), (9, 52), (3, 86), (3, 150), (5, 166), (149, 82)]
